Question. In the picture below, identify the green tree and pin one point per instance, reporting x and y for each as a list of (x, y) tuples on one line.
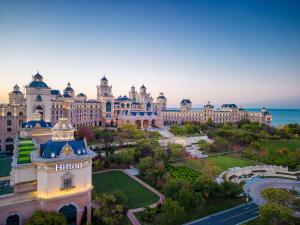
[(277, 196), (50, 218), (275, 214), (172, 213)]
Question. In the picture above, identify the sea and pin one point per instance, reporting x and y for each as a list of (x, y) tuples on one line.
[(280, 117)]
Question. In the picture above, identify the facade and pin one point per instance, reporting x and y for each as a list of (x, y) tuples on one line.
[(228, 113), (56, 176), (138, 108), (12, 115)]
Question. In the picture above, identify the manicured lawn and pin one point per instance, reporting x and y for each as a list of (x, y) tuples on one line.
[(137, 195), (5, 167), (226, 162), (272, 145)]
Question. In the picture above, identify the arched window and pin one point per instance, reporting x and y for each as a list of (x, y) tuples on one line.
[(8, 114), (108, 107), (70, 212), (38, 98), (148, 106), (122, 105), (13, 220), (21, 114), (128, 105), (9, 140)]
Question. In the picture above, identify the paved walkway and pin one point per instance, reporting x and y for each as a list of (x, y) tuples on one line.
[(130, 212)]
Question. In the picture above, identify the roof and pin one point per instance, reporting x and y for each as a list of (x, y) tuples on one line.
[(81, 95), (124, 98), (68, 88), (55, 92), (37, 84), (66, 95), (53, 149), (36, 124), (38, 76), (104, 78), (185, 101), (229, 106), (143, 86)]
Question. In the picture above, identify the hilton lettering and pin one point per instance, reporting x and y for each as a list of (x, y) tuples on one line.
[(68, 166)]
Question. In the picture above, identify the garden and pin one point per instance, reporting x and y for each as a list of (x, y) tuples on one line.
[(182, 172), (136, 194)]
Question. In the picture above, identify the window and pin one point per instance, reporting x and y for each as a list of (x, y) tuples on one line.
[(108, 107), (8, 123), (8, 114), (67, 183), (9, 129)]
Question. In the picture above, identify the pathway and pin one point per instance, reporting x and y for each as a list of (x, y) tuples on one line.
[(130, 212)]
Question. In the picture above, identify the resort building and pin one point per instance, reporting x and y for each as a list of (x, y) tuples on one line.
[(138, 108), (228, 113), (51, 175)]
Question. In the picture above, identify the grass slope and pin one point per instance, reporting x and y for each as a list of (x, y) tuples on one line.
[(226, 162), (138, 196)]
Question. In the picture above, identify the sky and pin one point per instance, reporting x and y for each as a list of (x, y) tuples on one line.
[(244, 51)]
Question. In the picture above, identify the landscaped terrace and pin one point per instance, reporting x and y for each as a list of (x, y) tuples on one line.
[(25, 146)]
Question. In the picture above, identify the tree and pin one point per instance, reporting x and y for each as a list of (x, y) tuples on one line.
[(230, 189), (207, 187), (145, 164), (175, 151), (172, 213), (277, 196), (85, 132), (111, 210), (50, 218), (275, 214)]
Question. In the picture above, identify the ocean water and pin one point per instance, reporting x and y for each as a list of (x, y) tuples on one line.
[(283, 116), (280, 116)]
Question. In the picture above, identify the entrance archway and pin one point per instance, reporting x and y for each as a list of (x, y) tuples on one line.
[(70, 212), (13, 220)]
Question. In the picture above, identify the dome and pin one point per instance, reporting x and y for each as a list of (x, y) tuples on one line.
[(63, 125), (38, 84), (185, 101), (68, 88), (104, 78), (81, 95), (53, 149)]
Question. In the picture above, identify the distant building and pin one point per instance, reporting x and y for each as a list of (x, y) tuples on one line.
[(228, 113), (136, 108)]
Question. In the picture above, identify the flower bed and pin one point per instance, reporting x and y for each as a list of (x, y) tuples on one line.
[(182, 172)]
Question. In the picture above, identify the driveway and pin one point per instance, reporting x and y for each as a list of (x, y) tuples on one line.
[(254, 189)]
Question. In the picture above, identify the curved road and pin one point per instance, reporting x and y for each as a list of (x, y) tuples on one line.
[(254, 189)]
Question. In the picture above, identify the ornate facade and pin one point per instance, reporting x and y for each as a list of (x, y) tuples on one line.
[(228, 113), (49, 175), (138, 108)]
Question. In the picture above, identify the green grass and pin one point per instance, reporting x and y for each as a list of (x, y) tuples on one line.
[(25, 147), (5, 167), (137, 195), (225, 162), (273, 145)]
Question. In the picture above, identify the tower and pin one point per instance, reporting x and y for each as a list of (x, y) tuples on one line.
[(185, 105), (133, 94), (161, 102), (38, 98), (69, 91), (104, 95), (16, 96)]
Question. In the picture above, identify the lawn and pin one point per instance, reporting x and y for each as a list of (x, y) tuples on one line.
[(137, 195), (225, 162), (25, 146), (273, 145)]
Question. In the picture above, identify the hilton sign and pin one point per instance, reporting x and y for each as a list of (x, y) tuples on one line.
[(68, 166)]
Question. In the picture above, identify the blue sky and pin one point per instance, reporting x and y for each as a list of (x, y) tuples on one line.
[(245, 52)]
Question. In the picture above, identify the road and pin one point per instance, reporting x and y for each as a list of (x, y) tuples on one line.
[(233, 216)]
